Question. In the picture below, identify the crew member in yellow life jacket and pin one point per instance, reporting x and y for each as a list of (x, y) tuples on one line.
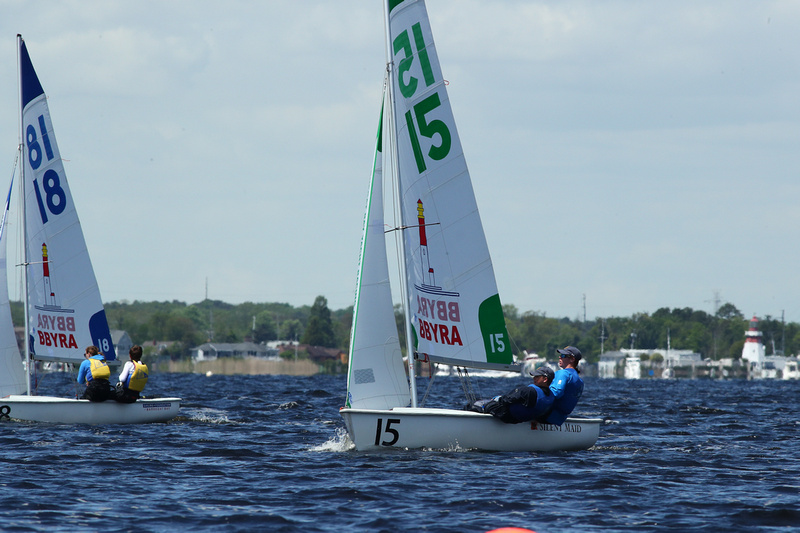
[(94, 373), (133, 377)]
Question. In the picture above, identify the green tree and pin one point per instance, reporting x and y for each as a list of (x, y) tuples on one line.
[(728, 311), (265, 329), (319, 330), (291, 329)]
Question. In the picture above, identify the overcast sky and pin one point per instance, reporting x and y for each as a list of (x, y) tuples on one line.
[(636, 154)]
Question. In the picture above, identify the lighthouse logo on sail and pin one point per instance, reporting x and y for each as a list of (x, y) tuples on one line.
[(52, 329), (426, 270), (50, 302), (437, 319)]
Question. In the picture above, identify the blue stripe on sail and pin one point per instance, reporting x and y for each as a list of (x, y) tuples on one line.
[(31, 88), (98, 328)]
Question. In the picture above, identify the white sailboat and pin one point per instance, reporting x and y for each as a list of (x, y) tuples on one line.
[(63, 310), (452, 307)]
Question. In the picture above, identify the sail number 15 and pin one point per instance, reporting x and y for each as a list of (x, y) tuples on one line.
[(408, 87), (380, 430), (54, 200), (496, 342)]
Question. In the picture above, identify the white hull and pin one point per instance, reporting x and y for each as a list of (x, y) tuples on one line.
[(404, 427), (71, 411)]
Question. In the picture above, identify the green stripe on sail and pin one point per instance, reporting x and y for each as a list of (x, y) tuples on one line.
[(380, 131), (493, 331), (393, 4)]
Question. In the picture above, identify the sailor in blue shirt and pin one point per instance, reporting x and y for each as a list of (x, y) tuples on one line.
[(523, 404), (94, 373), (567, 385)]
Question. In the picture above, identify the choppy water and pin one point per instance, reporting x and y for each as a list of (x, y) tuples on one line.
[(269, 453)]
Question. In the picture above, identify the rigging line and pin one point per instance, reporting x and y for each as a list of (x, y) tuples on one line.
[(466, 384), (411, 226), (430, 383), (74, 380), (514, 345)]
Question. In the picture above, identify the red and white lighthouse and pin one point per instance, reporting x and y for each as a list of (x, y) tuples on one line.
[(753, 351), (427, 269)]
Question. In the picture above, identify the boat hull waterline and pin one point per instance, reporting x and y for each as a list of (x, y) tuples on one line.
[(72, 411), (404, 427)]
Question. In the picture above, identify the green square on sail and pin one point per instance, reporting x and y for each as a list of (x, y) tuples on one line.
[(493, 331)]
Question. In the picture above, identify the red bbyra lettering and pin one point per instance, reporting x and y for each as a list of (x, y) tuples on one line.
[(57, 340), (439, 309), (422, 306), (59, 323), (440, 333), (454, 314)]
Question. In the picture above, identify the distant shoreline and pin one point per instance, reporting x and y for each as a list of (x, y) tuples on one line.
[(247, 366)]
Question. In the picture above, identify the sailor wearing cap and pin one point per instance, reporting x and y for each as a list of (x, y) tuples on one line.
[(523, 404), (567, 385), (530, 409)]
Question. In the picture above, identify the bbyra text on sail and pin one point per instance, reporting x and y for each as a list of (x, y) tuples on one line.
[(56, 331), (438, 320)]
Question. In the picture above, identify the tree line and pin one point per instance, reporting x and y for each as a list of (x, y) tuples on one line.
[(715, 336)]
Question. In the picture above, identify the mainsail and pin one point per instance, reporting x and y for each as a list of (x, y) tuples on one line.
[(376, 377), (64, 309), (454, 305)]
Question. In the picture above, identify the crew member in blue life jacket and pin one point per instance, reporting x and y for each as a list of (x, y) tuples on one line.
[(567, 385), (133, 377), (94, 372), (523, 404)]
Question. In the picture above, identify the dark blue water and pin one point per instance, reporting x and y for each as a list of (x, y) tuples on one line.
[(269, 453)]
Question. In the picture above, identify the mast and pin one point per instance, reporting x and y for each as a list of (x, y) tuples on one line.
[(28, 360), (392, 152)]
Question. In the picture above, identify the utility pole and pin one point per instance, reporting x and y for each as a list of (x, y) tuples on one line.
[(783, 333), (584, 308)]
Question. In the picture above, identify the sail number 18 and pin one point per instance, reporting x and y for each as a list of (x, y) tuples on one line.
[(55, 199)]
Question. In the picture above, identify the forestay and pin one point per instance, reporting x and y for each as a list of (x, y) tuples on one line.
[(65, 311)]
